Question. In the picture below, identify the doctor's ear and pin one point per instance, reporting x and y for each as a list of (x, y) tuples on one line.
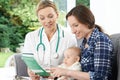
[(57, 14)]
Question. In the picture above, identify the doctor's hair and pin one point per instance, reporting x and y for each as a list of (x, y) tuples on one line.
[(46, 3), (84, 16)]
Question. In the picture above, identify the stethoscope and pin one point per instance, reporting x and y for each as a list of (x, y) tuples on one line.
[(56, 55)]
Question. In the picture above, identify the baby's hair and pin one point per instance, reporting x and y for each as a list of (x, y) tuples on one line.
[(76, 49)]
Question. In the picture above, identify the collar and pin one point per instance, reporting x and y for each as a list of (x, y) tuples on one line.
[(91, 39), (93, 36), (61, 31)]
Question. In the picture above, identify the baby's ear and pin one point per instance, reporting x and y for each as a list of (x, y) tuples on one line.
[(77, 58)]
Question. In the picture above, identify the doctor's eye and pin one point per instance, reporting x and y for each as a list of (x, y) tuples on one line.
[(42, 18), (50, 16)]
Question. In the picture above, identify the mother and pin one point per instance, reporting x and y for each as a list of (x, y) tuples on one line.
[(96, 47)]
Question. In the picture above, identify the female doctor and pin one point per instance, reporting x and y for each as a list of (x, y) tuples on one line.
[(49, 41)]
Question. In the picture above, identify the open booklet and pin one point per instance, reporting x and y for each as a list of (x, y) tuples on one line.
[(33, 65)]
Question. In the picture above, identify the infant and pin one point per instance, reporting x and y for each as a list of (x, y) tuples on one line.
[(71, 61)]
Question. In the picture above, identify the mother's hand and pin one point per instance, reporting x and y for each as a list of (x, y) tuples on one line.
[(57, 72)]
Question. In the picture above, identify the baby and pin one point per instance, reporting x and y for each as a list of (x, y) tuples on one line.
[(71, 61)]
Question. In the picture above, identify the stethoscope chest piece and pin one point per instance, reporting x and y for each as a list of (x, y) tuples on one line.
[(56, 56)]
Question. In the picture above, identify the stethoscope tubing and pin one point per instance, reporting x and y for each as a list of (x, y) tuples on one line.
[(42, 44)]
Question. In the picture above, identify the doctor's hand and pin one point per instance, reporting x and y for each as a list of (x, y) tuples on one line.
[(32, 75)]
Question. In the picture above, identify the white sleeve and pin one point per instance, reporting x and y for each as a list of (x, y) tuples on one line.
[(69, 37), (28, 44), (72, 40)]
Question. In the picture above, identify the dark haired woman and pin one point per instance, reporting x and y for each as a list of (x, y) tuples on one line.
[(96, 47)]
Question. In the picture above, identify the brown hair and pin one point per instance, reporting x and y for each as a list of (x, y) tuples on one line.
[(84, 16), (46, 3)]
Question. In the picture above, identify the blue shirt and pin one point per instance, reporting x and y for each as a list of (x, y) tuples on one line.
[(96, 58)]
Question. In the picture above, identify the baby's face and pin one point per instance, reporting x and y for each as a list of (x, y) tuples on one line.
[(70, 58)]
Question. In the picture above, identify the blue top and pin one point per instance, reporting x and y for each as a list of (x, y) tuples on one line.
[(96, 59)]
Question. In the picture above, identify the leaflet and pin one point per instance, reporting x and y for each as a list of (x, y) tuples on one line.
[(33, 65)]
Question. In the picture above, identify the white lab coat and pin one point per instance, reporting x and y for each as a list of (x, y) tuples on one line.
[(32, 39)]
